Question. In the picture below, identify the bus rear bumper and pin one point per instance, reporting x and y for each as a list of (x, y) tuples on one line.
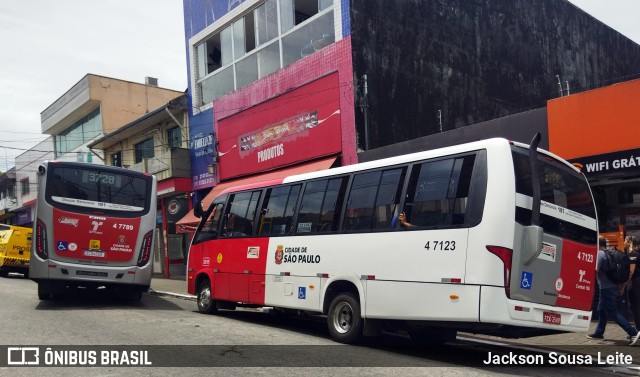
[(494, 308), (87, 275)]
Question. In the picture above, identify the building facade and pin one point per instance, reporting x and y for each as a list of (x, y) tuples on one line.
[(270, 86), (598, 131), (157, 143), (433, 66), (81, 119), (27, 181), (96, 106), (276, 84), (8, 199)]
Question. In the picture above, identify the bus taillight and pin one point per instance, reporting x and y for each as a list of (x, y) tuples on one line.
[(41, 240), (505, 256), (145, 250)]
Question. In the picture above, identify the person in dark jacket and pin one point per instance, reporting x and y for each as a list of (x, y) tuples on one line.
[(607, 306), (633, 286)]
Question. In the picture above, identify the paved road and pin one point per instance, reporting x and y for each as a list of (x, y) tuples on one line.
[(267, 344)]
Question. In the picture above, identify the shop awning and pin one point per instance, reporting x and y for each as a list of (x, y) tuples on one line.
[(189, 222)]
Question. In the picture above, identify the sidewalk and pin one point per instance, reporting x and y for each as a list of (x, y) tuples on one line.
[(173, 287), (615, 338)]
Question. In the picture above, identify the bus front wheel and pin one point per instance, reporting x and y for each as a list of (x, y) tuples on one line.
[(344, 320), (206, 304)]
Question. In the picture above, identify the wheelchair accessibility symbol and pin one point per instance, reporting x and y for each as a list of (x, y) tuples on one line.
[(302, 293), (527, 280), (62, 246)]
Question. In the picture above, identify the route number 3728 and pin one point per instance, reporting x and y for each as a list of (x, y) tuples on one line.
[(440, 245)]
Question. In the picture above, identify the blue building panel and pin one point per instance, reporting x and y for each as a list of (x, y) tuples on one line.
[(346, 19), (202, 149)]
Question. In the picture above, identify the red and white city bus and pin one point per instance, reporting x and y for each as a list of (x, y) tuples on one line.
[(94, 228), (501, 240)]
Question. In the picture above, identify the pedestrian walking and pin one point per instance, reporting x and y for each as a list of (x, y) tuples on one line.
[(608, 293), (633, 287)]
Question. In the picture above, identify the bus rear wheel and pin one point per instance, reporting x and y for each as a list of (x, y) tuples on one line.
[(206, 304), (344, 320), (44, 293)]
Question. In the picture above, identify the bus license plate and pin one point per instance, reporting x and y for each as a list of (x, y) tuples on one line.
[(94, 253), (552, 318)]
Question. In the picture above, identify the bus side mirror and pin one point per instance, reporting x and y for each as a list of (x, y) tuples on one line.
[(41, 170), (532, 243), (197, 210)]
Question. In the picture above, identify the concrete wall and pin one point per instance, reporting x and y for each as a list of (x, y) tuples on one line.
[(475, 60), (123, 102), (518, 127)]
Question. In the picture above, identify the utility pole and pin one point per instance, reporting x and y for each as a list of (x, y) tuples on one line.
[(365, 106), (559, 84)]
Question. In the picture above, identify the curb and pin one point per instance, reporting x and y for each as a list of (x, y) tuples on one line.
[(171, 294)]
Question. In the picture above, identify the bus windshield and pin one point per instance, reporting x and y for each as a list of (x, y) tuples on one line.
[(97, 189)]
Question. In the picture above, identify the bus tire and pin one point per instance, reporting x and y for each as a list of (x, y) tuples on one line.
[(206, 305), (43, 292), (344, 320), (134, 293)]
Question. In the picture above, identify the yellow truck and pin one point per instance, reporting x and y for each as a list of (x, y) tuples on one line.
[(15, 249)]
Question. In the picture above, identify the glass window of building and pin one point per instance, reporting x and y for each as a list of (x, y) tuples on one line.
[(267, 21), (174, 137), (79, 133), (116, 159), (249, 47), (24, 184), (143, 150)]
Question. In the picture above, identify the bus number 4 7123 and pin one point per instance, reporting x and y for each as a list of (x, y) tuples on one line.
[(585, 257), (440, 245)]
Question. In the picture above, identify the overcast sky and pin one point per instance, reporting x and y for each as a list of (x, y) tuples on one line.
[(49, 45)]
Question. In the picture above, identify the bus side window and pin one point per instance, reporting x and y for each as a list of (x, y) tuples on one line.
[(240, 214), (276, 215), (438, 192), (362, 196), (332, 205), (321, 206), (373, 200), (388, 199)]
